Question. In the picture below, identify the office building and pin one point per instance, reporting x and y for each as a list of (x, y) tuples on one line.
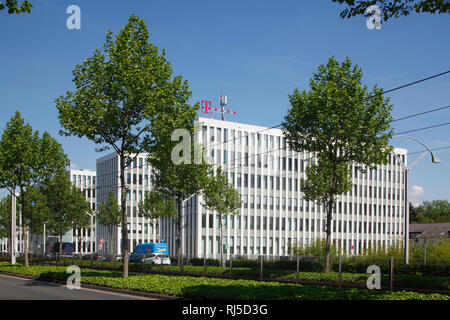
[(274, 216)]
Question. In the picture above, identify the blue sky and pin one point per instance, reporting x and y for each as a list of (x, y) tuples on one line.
[(256, 52)]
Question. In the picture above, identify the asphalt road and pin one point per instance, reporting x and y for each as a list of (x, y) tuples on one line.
[(12, 288)]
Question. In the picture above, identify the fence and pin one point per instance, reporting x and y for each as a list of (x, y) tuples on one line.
[(346, 271)]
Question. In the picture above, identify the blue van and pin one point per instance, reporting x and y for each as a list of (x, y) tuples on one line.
[(147, 249)]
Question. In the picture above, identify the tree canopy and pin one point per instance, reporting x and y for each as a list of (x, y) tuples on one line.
[(14, 6), (341, 122), (393, 9), (221, 196), (434, 211), (67, 206), (124, 94), (28, 160)]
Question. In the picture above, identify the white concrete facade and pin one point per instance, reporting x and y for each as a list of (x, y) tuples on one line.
[(84, 240), (138, 179), (274, 215)]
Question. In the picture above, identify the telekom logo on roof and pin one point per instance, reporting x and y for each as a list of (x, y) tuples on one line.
[(206, 106)]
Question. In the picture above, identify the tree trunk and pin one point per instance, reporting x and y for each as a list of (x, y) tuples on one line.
[(328, 232), (329, 219), (220, 240), (25, 242), (60, 245), (24, 227), (179, 227), (123, 201)]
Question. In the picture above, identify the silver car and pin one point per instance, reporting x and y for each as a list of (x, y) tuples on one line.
[(156, 258)]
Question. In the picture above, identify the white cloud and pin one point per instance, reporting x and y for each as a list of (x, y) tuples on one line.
[(416, 190)]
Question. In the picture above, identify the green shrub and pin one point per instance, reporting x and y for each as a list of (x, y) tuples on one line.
[(201, 261), (211, 288)]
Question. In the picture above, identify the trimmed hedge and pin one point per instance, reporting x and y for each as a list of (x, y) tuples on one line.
[(349, 265)]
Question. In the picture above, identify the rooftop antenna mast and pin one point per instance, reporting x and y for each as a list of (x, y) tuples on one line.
[(206, 106), (223, 103)]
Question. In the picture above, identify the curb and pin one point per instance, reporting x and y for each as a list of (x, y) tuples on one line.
[(99, 288)]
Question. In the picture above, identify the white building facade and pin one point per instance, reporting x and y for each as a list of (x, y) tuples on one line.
[(274, 216), (84, 240), (138, 180)]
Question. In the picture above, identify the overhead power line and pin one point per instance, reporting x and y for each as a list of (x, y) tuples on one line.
[(425, 128), (367, 98), (421, 113)]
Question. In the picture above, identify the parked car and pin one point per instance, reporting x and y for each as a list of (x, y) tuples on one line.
[(156, 258)]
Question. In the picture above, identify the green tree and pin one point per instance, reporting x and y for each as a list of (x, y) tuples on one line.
[(5, 216), (413, 214), (119, 93), (316, 249), (157, 206), (432, 212), (109, 214), (68, 208), (178, 180), (37, 209), (25, 161), (222, 197), (14, 7), (394, 9), (341, 122)]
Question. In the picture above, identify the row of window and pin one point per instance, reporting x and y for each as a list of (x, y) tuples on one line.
[(146, 227), (294, 224), (292, 184), (242, 137), (264, 245), (139, 179), (255, 140), (83, 181), (339, 207)]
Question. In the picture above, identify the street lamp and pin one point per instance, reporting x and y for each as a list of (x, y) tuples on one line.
[(13, 227), (92, 218), (434, 159)]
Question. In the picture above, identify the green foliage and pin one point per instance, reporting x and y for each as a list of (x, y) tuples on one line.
[(26, 160), (14, 7), (36, 206), (435, 211), (177, 181), (395, 250), (200, 262), (318, 184), (339, 118), (221, 196), (394, 9), (156, 205), (125, 99), (341, 122), (109, 212), (213, 288), (435, 249), (67, 206), (315, 249), (5, 216)]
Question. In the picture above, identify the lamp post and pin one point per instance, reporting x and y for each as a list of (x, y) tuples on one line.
[(92, 218), (434, 159), (13, 227)]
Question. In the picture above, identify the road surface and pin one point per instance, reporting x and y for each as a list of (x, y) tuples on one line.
[(12, 288)]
